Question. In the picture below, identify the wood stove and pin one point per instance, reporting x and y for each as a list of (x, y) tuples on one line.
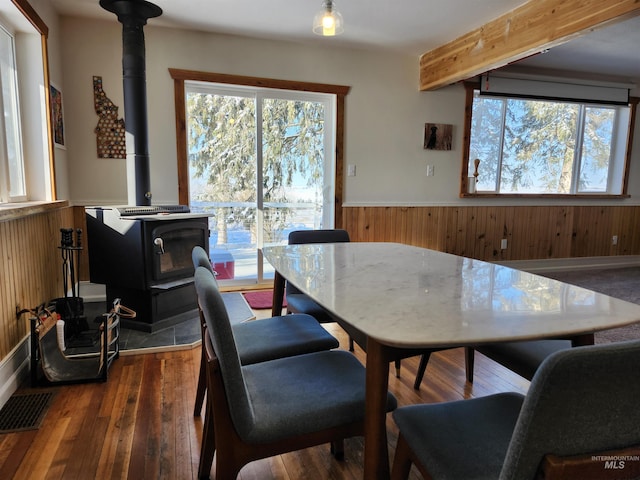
[(143, 256), (142, 253)]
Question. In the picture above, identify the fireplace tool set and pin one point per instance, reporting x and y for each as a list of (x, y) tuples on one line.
[(70, 308)]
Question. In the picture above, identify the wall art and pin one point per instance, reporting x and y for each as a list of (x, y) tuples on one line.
[(438, 136), (110, 131), (57, 119)]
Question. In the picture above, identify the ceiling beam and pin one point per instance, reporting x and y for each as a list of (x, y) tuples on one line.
[(522, 32)]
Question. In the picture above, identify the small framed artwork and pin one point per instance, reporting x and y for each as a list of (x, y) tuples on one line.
[(57, 118), (438, 136)]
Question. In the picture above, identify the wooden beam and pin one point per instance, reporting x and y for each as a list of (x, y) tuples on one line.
[(525, 31)]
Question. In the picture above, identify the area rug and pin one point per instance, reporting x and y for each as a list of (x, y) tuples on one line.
[(261, 299), (622, 283)]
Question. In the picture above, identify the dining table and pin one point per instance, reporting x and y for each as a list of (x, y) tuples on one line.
[(406, 298)]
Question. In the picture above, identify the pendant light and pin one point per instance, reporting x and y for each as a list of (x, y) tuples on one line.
[(328, 21)]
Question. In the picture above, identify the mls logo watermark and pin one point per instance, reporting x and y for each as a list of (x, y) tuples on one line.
[(615, 462)]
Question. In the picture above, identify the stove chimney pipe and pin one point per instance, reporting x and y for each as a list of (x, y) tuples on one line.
[(133, 14)]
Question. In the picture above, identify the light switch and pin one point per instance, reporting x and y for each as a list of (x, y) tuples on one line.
[(351, 170)]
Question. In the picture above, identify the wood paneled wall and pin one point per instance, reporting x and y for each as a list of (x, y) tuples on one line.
[(532, 232), (30, 272), (31, 269)]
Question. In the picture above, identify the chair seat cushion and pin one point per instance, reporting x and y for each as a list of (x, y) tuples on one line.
[(328, 391), (281, 336), (524, 358), (301, 303), (452, 439)]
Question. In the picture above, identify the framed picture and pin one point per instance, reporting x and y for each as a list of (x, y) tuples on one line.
[(57, 118), (438, 136)]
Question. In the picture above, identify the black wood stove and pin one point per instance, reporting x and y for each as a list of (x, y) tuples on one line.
[(142, 252), (143, 256)]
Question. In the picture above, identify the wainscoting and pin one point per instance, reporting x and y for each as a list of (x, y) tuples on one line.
[(532, 232), (30, 273)]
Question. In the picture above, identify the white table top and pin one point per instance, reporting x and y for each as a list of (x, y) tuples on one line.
[(408, 296)]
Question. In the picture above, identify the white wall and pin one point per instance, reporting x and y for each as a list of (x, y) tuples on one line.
[(385, 112)]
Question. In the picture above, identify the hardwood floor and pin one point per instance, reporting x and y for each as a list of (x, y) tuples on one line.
[(140, 424)]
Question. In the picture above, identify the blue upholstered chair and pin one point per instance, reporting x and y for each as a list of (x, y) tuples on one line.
[(268, 338), (257, 341), (523, 358), (298, 302), (582, 401), (273, 407)]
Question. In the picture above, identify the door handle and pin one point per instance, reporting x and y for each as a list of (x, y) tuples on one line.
[(160, 243)]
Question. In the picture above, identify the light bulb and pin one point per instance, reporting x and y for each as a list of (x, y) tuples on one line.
[(328, 25), (328, 22)]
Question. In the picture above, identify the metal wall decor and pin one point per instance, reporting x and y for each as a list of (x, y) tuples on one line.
[(110, 131)]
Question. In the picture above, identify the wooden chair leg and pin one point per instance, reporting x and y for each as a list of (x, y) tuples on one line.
[(424, 360), (202, 386), (469, 357), (397, 364), (337, 449), (208, 447), (401, 460), (227, 470)]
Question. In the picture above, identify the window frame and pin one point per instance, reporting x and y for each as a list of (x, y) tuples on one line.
[(180, 76), (260, 97), (47, 182), (470, 87)]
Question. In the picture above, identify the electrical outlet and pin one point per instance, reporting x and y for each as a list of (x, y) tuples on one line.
[(430, 171), (503, 244), (614, 240)]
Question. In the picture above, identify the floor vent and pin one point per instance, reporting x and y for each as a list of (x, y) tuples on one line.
[(24, 411)]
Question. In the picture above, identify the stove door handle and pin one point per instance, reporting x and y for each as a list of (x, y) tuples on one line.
[(160, 243)]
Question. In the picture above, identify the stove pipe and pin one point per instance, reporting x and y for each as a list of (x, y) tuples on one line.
[(133, 14)]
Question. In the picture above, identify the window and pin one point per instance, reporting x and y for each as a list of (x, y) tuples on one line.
[(27, 170), (261, 163), (12, 187), (539, 146), (267, 153)]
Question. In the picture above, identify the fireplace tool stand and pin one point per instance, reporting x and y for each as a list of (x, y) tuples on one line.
[(70, 307)]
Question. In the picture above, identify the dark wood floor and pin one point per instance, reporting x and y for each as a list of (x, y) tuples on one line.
[(140, 424)]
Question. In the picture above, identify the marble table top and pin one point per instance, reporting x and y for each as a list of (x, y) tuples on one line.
[(407, 296)]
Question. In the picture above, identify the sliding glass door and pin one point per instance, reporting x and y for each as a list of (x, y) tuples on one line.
[(262, 163)]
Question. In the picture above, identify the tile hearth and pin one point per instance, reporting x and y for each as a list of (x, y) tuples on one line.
[(182, 334)]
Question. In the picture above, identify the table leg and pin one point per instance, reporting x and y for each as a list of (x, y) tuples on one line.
[(278, 294), (582, 340), (376, 455)]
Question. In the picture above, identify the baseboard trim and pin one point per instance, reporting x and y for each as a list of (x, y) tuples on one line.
[(14, 370), (575, 263)]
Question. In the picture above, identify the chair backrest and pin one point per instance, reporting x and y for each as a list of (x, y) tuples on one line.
[(200, 258), (298, 237), (219, 329), (581, 400)]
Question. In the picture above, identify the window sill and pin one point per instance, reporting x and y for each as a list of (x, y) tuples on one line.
[(13, 211), (565, 196)]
